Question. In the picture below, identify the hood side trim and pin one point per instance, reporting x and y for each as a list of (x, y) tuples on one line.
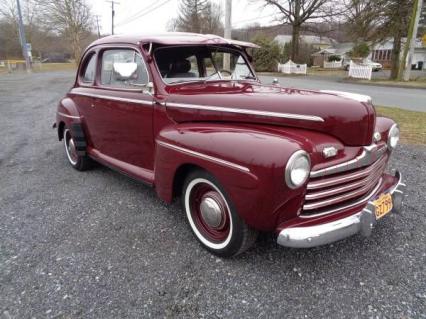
[(246, 111)]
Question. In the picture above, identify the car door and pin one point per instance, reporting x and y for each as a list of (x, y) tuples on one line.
[(121, 111)]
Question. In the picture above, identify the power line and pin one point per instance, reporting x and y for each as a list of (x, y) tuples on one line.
[(254, 19), (137, 13), (144, 13)]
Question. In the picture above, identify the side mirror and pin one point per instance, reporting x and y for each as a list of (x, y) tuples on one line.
[(275, 81)]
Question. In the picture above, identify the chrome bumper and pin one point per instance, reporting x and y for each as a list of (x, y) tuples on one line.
[(362, 222)]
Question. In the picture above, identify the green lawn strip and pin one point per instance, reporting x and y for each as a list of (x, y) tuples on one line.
[(411, 123), (418, 84)]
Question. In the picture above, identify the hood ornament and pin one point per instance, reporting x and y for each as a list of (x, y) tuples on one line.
[(330, 151)]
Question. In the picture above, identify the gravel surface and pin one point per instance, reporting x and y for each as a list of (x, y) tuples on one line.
[(99, 245)]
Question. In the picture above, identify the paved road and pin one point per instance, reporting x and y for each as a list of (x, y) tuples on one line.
[(99, 245), (410, 99)]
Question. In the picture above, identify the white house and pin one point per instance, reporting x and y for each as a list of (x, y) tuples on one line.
[(381, 53)]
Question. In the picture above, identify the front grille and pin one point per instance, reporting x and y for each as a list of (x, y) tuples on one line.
[(333, 192)]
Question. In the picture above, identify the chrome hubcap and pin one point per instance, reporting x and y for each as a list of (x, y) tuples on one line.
[(211, 212), (70, 148)]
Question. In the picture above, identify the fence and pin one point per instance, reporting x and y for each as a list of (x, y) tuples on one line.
[(12, 65), (292, 68), (360, 71), (333, 65)]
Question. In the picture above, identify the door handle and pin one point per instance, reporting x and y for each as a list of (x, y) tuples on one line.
[(92, 104)]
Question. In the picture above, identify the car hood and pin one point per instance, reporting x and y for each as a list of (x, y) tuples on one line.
[(348, 117)]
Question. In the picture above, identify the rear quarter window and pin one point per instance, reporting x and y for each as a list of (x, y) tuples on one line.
[(89, 69)]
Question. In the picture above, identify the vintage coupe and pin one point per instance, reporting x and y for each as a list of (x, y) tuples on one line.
[(186, 114)]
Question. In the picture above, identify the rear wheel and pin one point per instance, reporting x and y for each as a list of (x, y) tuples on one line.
[(79, 162), (212, 217)]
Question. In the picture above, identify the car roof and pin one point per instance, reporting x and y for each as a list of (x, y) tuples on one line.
[(172, 38)]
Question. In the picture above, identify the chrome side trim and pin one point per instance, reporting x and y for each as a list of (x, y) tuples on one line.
[(69, 116), (204, 156), (358, 202), (246, 111), (114, 98), (348, 95), (369, 155)]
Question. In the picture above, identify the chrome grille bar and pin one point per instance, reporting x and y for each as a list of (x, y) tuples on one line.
[(340, 198), (348, 177), (369, 155), (344, 188)]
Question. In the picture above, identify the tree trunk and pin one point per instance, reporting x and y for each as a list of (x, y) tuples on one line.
[(396, 52), (295, 42), (76, 47)]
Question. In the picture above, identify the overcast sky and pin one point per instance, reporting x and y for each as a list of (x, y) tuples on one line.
[(161, 11)]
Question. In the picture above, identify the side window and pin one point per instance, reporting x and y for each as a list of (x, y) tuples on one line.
[(123, 68), (90, 70)]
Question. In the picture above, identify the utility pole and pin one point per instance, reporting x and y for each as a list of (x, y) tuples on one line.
[(410, 45), (97, 25), (112, 14), (23, 39), (228, 35)]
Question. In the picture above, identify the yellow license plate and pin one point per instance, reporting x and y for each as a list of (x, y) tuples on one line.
[(383, 205)]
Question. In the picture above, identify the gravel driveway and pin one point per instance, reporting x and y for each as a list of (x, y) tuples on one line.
[(99, 245)]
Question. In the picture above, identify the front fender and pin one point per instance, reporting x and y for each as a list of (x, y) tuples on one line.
[(247, 161)]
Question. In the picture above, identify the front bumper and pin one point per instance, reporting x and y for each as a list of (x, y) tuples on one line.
[(362, 222)]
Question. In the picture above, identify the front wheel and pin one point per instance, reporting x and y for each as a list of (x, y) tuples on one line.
[(212, 217)]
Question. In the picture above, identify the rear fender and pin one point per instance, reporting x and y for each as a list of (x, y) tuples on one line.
[(67, 115)]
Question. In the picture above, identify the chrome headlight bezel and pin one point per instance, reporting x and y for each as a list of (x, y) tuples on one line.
[(393, 136), (296, 160)]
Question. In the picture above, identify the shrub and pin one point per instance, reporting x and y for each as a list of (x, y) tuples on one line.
[(360, 50), (266, 58), (334, 58)]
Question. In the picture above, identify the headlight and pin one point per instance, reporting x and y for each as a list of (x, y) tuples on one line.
[(297, 169), (393, 136)]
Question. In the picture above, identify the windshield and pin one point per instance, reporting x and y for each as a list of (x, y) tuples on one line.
[(201, 63)]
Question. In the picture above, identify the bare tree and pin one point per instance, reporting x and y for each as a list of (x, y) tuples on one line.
[(396, 19), (378, 20), (363, 18), (299, 12), (190, 15), (199, 16), (71, 18), (212, 19)]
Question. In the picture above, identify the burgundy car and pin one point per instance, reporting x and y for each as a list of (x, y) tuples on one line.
[(187, 115)]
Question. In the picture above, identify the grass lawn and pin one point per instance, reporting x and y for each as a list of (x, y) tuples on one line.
[(411, 123), (47, 67), (418, 84)]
